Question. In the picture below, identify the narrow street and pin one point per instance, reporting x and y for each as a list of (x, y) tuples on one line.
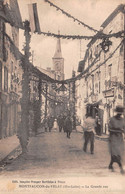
[(51, 154)]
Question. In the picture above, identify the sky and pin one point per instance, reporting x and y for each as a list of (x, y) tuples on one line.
[(91, 12)]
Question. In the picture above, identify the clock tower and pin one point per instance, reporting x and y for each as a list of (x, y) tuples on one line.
[(58, 62)]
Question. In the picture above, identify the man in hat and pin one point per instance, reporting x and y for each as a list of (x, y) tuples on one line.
[(116, 142)]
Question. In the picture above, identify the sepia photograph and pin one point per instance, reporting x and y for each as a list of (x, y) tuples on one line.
[(62, 96)]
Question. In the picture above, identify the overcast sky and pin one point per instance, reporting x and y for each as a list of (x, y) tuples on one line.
[(91, 12)]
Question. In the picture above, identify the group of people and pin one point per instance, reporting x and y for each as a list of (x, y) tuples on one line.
[(116, 138), (91, 127), (61, 123)]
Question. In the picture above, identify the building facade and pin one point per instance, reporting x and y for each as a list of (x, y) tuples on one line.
[(10, 69), (101, 88)]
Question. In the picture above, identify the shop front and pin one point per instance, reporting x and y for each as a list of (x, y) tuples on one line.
[(97, 113)]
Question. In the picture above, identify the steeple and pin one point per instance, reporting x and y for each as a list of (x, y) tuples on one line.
[(58, 61), (58, 53)]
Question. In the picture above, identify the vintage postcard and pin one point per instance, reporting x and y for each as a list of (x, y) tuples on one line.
[(62, 96)]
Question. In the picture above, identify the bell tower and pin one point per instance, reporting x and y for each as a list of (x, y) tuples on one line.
[(58, 61)]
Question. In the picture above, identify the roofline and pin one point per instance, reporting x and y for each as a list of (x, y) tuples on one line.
[(120, 8)]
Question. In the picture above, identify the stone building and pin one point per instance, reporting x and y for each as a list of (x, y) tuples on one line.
[(10, 70), (102, 85)]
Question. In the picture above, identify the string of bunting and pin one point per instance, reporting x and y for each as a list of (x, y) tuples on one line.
[(119, 34), (86, 71), (79, 76), (13, 48), (59, 96), (50, 99), (70, 16)]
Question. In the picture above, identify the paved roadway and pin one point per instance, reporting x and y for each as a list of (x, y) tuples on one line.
[(53, 153), (61, 161)]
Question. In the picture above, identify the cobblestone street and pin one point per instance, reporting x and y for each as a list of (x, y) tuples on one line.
[(53, 153)]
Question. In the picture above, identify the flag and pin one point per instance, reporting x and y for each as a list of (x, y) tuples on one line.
[(33, 17)]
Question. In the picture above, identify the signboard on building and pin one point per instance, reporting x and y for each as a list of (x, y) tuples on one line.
[(108, 93)]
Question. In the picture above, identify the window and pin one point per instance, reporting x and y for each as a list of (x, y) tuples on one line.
[(5, 79), (93, 84), (110, 71), (99, 75)]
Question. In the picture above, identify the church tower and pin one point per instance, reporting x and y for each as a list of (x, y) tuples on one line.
[(58, 61)]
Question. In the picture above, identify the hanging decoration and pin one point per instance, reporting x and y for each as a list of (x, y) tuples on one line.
[(51, 99), (53, 96), (106, 43), (62, 88), (105, 46), (33, 17), (79, 76), (111, 55), (17, 54), (70, 16), (119, 34)]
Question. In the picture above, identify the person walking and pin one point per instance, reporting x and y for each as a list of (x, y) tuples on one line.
[(68, 126), (45, 124), (63, 118), (116, 141), (98, 125), (50, 123), (55, 125), (60, 122), (89, 131)]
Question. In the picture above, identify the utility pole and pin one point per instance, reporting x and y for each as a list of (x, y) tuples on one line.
[(23, 132), (74, 101)]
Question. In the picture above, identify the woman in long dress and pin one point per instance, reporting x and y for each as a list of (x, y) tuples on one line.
[(55, 125), (116, 142)]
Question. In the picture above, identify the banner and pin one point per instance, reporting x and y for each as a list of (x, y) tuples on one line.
[(33, 17)]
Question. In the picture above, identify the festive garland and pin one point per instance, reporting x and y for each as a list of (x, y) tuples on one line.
[(73, 37), (102, 62), (49, 94), (70, 16), (105, 44), (15, 50), (80, 76), (50, 99)]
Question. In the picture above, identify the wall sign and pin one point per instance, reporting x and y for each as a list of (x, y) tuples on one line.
[(108, 93)]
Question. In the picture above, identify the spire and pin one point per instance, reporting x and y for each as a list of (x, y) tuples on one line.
[(58, 53)]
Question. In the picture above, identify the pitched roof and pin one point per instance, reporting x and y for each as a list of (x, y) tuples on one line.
[(120, 8)]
